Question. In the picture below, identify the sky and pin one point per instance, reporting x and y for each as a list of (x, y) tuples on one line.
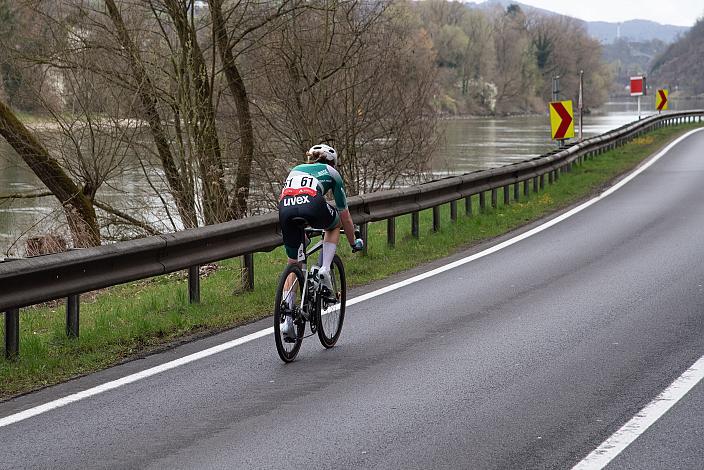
[(676, 12)]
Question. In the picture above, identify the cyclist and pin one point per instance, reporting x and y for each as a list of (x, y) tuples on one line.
[(303, 198)]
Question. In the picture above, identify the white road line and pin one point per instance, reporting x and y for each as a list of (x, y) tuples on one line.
[(629, 432), (246, 339)]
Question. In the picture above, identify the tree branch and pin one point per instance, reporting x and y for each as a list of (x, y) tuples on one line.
[(126, 217), (26, 195)]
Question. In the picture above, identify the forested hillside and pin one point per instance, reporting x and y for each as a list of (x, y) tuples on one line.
[(681, 66), (638, 31), (496, 60)]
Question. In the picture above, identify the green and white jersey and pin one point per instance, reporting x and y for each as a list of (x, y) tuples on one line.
[(325, 178)]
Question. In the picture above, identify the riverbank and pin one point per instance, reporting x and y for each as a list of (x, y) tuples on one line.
[(130, 321)]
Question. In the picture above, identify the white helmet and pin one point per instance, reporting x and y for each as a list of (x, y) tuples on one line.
[(323, 152)]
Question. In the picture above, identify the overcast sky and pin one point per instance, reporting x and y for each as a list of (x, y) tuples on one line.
[(677, 12)]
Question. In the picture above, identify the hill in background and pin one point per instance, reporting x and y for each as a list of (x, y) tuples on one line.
[(681, 66), (674, 54), (605, 32), (634, 31)]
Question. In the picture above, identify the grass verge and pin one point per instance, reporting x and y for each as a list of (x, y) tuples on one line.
[(133, 319)]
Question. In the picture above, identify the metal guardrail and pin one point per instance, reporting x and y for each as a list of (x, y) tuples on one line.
[(34, 280)]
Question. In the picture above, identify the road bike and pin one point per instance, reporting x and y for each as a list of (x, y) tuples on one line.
[(313, 308)]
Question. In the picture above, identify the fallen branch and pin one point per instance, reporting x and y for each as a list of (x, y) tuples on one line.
[(26, 195)]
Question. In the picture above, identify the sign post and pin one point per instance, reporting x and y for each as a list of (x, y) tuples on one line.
[(580, 104), (638, 88)]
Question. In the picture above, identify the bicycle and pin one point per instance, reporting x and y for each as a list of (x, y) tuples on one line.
[(324, 312)]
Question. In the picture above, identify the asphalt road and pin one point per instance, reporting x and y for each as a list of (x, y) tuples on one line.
[(526, 358)]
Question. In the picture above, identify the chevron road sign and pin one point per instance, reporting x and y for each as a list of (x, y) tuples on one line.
[(561, 120), (661, 100)]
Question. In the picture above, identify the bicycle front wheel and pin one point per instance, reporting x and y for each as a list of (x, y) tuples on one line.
[(332, 310), (288, 294)]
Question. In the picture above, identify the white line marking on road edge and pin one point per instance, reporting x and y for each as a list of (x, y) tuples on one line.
[(267, 331), (629, 432)]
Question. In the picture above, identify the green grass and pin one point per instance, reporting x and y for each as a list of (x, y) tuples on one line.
[(133, 319)]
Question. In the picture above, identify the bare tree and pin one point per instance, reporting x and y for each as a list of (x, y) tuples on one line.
[(77, 205), (234, 37), (206, 102), (377, 116), (515, 73), (563, 47)]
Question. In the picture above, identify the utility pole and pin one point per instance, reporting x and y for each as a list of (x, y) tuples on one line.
[(556, 88), (580, 105), (556, 97)]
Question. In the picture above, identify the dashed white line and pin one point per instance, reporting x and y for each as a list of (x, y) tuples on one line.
[(629, 432)]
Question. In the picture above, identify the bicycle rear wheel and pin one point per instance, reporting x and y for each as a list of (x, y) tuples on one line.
[(332, 311), (287, 351)]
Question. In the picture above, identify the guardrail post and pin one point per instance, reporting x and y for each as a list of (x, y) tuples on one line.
[(516, 191), (436, 218), (248, 271), (482, 201), (391, 231), (507, 196), (542, 181), (535, 184), (494, 198), (364, 233), (557, 174), (12, 333), (73, 308), (468, 205), (550, 177), (415, 225), (453, 211), (194, 284), (526, 188)]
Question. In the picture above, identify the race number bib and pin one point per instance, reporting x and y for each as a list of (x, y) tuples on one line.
[(298, 185)]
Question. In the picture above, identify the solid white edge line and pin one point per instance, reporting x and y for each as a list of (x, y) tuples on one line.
[(14, 418), (629, 432)]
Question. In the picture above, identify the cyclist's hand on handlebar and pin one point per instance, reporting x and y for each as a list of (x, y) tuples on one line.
[(358, 245)]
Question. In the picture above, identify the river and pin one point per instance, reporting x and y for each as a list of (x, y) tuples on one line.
[(467, 144)]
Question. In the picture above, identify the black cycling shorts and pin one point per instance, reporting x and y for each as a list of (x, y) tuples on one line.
[(315, 210)]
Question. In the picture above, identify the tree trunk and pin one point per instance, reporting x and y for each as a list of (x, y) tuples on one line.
[(181, 190), (79, 209), (215, 198), (244, 116)]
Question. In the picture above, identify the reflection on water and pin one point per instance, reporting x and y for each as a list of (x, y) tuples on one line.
[(468, 144)]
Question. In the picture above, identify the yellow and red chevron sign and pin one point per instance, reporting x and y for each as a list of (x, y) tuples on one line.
[(661, 100), (561, 121)]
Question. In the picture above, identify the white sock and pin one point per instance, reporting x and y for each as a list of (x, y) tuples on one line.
[(328, 254)]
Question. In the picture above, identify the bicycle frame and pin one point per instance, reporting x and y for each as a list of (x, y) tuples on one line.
[(308, 252)]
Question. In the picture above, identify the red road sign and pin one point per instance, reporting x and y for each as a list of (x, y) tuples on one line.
[(637, 86), (561, 120)]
